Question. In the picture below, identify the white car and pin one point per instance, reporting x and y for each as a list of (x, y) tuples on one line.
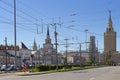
[(4, 67)]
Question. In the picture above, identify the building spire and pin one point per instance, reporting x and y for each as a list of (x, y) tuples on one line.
[(48, 40), (110, 27), (110, 20), (34, 42), (47, 30), (34, 45)]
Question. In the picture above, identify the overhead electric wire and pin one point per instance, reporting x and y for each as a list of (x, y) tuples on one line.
[(1, 21), (20, 10), (3, 1), (32, 9), (1, 17), (6, 9), (23, 27), (82, 31), (11, 13), (30, 16), (17, 15), (33, 17), (26, 29)]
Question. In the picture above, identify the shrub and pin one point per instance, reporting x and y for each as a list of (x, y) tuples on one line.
[(67, 66), (47, 67)]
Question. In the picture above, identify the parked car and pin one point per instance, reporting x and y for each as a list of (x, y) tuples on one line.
[(4, 67), (11, 68)]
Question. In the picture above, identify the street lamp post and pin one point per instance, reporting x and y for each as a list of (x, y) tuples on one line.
[(32, 56), (86, 30), (32, 61)]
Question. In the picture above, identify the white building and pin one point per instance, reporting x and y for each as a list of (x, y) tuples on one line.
[(73, 57), (47, 54), (25, 53)]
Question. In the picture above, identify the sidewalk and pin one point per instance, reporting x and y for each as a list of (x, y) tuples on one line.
[(24, 73)]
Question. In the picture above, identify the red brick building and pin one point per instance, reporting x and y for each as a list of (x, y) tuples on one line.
[(7, 55)]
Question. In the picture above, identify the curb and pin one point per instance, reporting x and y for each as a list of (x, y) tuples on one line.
[(30, 73)]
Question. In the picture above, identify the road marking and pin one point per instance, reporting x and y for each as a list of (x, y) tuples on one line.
[(92, 78)]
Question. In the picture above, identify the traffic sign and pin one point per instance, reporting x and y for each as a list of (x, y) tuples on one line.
[(24, 60), (32, 55)]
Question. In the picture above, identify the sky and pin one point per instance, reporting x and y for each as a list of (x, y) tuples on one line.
[(33, 17)]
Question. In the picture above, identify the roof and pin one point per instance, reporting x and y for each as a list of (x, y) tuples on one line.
[(22, 46)]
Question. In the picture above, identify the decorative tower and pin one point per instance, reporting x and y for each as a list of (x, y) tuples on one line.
[(109, 37), (48, 45), (48, 50), (48, 40), (34, 45)]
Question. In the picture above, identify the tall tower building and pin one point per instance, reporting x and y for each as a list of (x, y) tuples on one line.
[(93, 51), (109, 37)]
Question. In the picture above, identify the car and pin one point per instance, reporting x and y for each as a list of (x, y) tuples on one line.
[(11, 68), (4, 67)]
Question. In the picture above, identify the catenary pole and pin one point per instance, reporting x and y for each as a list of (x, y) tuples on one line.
[(15, 59), (66, 50), (80, 56), (56, 47)]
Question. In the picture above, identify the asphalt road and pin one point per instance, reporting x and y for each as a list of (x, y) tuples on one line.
[(104, 73)]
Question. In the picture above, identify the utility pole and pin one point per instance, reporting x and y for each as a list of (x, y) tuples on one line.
[(55, 33), (66, 50), (5, 48), (80, 56), (56, 44), (15, 32), (5, 41), (39, 54)]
